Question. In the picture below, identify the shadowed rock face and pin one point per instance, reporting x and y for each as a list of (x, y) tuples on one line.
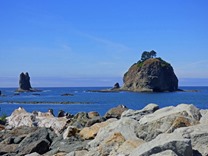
[(24, 82), (154, 75)]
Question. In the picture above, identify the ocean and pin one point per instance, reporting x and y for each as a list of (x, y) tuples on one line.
[(82, 100)]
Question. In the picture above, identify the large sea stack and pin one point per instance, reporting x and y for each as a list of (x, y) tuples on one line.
[(24, 82), (151, 75)]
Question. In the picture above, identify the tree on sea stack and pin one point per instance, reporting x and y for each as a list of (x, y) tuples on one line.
[(146, 55)]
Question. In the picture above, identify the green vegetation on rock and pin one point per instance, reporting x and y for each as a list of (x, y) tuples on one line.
[(152, 54), (3, 118), (164, 63)]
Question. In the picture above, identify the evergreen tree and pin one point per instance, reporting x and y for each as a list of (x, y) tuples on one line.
[(146, 55)]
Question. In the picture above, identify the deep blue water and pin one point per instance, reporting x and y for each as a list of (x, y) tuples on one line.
[(100, 102)]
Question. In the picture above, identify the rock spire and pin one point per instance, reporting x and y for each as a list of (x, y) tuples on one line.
[(24, 82)]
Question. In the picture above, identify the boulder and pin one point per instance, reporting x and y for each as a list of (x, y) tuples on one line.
[(18, 139), (183, 109), (128, 146), (204, 118), (138, 114), (125, 126), (90, 132), (152, 75), (166, 120), (70, 144), (38, 141), (165, 153), (93, 114), (115, 112), (17, 133), (79, 120), (70, 131), (198, 135), (22, 118), (33, 154), (61, 113), (57, 124), (7, 148), (164, 142), (111, 143), (78, 153), (24, 140), (94, 120)]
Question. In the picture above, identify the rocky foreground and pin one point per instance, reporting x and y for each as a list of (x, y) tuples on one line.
[(169, 131)]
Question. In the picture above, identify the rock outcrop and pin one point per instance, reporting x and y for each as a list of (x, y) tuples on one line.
[(24, 82), (116, 86), (38, 119), (170, 131), (152, 75)]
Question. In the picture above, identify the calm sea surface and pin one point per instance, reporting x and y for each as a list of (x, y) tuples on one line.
[(96, 101)]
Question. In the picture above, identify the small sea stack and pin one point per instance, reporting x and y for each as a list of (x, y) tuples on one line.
[(24, 83), (116, 87)]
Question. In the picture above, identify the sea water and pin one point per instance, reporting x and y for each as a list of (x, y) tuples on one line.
[(86, 101)]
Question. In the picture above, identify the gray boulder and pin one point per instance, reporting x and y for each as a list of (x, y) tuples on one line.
[(78, 153), (115, 112), (204, 118), (11, 138), (70, 144), (166, 120), (164, 142), (94, 120), (79, 120), (165, 153), (33, 154), (198, 135), (38, 141), (18, 132), (138, 114)]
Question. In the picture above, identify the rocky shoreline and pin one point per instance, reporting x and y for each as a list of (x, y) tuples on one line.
[(169, 131)]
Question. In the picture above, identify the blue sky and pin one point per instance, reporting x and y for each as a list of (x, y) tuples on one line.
[(93, 43)]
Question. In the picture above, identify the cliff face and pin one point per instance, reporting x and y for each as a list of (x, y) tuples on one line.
[(154, 75)]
